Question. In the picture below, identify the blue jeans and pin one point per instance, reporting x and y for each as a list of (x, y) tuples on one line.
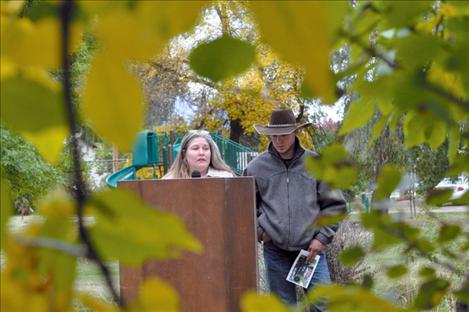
[(278, 263)]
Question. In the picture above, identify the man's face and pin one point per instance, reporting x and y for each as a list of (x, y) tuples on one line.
[(284, 144)]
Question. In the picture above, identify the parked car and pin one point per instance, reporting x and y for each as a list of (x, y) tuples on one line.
[(458, 188)]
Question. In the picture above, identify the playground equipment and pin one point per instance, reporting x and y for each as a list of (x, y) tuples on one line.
[(157, 150)]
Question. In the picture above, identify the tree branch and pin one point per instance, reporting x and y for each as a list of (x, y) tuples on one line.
[(80, 191), (422, 253), (371, 51), (464, 104), (54, 244)]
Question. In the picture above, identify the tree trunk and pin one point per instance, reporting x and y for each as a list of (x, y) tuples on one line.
[(236, 130)]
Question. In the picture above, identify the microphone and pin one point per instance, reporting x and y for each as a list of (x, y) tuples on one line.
[(196, 174)]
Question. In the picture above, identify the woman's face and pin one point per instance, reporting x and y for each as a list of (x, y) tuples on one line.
[(198, 155)]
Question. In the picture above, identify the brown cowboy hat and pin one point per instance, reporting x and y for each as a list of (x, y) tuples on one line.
[(282, 122)]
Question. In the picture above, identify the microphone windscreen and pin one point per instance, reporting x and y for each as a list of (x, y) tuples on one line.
[(196, 174)]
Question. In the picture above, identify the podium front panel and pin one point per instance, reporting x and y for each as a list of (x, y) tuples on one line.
[(220, 213)]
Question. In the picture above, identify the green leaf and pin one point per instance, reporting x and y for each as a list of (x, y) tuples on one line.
[(378, 128), (437, 134), (461, 293), (333, 167), (461, 164), (302, 32), (156, 295), (367, 281), (6, 209), (358, 114), (388, 180), (35, 44), (414, 132), (448, 232), (306, 91), (49, 142), (400, 14), (130, 231), (458, 25), (93, 303), (61, 269), (424, 245), (431, 293), (382, 228), (409, 232), (385, 107), (113, 99), (251, 302), (396, 271), (342, 177), (113, 102), (324, 220), (30, 104), (11, 8), (222, 58), (454, 140), (140, 33), (349, 298), (314, 165), (459, 60), (427, 272), (438, 197), (334, 153), (429, 48), (463, 200), (350, 256)]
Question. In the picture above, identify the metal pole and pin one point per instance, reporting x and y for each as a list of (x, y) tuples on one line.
[(115, 158)]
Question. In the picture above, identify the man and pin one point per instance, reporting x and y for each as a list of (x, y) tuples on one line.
[(289, 201)]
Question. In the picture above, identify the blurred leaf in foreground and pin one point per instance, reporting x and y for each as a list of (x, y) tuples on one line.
[(156, 295), (302, 32), (388, 180), (349, 298), (251, 302), (333, 167), (352, 255), (130, 231), (222, 58)]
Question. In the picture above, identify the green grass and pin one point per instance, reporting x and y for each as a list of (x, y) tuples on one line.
[(90, 280)]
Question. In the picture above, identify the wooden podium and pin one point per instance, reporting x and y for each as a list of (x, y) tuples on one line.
[(220, 213)]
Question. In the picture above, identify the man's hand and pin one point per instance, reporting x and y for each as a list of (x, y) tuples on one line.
[(315, 247), (265, 237)]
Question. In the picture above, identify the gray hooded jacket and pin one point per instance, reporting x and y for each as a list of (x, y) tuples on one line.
[(289, 200)]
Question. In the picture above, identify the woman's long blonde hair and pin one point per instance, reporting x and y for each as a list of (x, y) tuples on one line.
[(180, 168)]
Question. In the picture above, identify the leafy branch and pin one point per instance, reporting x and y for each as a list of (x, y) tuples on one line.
[(81, 194), (369, 50), (412, 245)]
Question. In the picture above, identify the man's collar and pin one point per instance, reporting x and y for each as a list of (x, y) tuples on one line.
[(299, 150)]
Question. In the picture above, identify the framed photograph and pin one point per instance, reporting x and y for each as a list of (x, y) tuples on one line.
[(301, 273)]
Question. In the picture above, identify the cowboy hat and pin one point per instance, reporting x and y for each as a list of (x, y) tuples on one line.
[(282, 122)]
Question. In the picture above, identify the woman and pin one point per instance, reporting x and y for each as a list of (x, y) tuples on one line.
[(198, 153)]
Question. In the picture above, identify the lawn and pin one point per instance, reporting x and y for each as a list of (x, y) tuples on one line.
[(400, 291)]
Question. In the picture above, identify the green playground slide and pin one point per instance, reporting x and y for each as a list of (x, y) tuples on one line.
[(126, 173), (144, 154)]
